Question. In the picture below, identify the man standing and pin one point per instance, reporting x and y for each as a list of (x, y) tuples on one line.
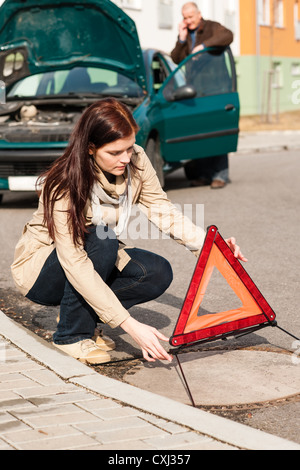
[(195, 34)]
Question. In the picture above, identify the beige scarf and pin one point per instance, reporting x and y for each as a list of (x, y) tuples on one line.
[(124, 204)]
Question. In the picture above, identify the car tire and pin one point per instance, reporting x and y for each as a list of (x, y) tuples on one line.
[(153, 152)]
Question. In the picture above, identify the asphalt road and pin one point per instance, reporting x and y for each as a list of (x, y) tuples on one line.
[(260, 208)]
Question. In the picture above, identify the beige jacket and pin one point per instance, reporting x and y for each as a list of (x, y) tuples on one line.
[(35, 245)]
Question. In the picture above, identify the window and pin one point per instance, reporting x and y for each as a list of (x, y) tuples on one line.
[(297, 20), (230, 19), (277, 75), (2, 92), (165, 14), (279, 13), (295, 70), (131, 4), (264, 12), (82, 80), (13, 63)]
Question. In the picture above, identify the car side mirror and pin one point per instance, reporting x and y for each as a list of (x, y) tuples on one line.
[(185, 92)]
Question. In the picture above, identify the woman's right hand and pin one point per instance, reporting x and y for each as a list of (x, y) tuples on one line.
[(147, 338)]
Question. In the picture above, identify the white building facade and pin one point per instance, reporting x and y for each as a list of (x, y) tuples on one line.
[(157, 20), (264, 22)]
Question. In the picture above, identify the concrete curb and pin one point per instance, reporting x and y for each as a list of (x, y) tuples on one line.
[(274, 141), (270, 149), (69, 369)]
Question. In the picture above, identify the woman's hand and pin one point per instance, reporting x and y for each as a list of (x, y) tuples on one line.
[(147, 338), (231, 242)]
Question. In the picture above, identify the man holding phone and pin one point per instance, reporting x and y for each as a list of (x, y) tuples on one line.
[(195, 34)]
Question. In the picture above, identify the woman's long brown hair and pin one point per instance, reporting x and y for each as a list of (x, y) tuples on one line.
[(73, 174)]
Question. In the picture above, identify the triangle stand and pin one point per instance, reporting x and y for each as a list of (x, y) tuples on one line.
[(193, 329)]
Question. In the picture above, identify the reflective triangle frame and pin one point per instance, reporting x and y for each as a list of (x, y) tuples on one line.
[(254, 314)]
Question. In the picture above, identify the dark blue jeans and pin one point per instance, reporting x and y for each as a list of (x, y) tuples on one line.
[(145, 278), (210, 168)]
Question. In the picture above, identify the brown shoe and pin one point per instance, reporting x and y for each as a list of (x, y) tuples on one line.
[(217, 184), (199, 182), (85, 351), (102, 341)]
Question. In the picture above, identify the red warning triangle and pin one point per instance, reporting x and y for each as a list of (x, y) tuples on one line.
[(254, 313)]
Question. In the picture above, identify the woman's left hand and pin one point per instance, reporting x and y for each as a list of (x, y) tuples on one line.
[(231, 242)]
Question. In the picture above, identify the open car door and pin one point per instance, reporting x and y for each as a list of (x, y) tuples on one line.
[(199, 107)]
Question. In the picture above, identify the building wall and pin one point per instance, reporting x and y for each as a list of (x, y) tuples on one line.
[(155, 30), (253, 84), (269, 62), (157, 20)]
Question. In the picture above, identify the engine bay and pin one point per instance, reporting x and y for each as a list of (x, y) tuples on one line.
[(22, 122)]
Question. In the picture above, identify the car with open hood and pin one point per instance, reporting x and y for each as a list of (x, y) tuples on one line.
[(57, 58)]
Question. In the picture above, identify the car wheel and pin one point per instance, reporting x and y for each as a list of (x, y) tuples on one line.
[(153, 152)]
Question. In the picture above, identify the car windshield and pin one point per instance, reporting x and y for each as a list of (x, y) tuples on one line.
[(78, 81)]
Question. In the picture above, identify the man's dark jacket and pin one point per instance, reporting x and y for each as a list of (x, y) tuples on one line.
[(209, 33)]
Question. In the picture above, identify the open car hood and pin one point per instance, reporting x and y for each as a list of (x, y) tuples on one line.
[(42, 35)]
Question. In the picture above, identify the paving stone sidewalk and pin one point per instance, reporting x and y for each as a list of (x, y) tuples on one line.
[(40, 411), (50, 401)]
